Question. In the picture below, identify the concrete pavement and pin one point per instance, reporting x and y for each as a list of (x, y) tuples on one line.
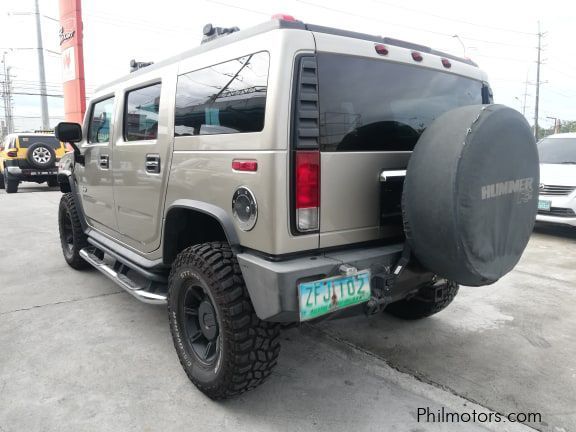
[(76, 353)]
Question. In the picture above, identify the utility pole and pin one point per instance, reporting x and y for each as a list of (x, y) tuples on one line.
[(538, 63), (41, 70), (525, 94), (7, 97)]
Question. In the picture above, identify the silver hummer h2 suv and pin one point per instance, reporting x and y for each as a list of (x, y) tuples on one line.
[(290, 172)]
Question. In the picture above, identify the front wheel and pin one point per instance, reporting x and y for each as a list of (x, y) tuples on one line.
[(223, 346), (429, 301), (72, 237)]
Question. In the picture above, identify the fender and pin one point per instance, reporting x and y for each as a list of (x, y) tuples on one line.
[(216, 212)]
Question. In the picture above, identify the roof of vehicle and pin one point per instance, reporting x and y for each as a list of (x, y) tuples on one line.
[(275, 24), (33, 134), (563, 135)]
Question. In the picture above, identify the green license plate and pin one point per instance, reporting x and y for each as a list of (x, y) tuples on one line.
[(328, 295), (544, 205)]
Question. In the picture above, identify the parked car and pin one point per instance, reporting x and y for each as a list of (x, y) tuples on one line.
[(30, 157), (289, 172), (557, 201)]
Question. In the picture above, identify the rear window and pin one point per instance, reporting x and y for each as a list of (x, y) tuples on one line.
[(27, 140), (375, 105), (557, 150)]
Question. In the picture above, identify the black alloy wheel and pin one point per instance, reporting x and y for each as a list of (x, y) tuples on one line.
[(200, 323)]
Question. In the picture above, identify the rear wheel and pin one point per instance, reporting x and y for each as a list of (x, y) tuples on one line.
[(72, 237), (429, 301), (223, 346), (2, 184), (10, 184), (53, 182)]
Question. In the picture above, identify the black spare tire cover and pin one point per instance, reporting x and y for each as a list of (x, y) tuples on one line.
[(41, 155), (471, 192)]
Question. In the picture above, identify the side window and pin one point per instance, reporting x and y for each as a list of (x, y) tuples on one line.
[(225, 98), (99, 127), (141, 113)]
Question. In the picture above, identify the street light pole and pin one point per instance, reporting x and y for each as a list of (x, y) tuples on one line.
[(41, 70), (461, 43)]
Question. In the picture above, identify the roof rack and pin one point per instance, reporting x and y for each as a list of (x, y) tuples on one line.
[(135, 65), (210, 32)]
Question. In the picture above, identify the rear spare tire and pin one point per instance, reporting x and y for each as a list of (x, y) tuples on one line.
[(41, 156), (471, 192)]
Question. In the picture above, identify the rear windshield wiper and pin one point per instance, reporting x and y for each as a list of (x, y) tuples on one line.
[(568, 163)]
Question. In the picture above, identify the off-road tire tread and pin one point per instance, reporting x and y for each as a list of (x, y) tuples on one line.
[(11, 186), (80, 239), (417, 308), (253, 344)]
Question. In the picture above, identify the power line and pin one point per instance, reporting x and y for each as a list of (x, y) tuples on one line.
[(38, 94), (238, 7), (395, 24), (454, 19)]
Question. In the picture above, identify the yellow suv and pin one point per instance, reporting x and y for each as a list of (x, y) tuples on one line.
[(29, 157)]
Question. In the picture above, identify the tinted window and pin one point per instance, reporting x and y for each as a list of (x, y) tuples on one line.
[(376, 105), (141, 114), (557, 150), (27, 140), (226, 98), (99, 128)]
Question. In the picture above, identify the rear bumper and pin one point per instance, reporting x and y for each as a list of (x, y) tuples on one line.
[(26, 174), (273, 285)]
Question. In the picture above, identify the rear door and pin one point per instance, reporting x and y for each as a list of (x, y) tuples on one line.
[(142, 154), (95, 178), (372, 112)]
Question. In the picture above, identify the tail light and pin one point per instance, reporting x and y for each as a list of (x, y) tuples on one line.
[(307, 190), (12, 153)]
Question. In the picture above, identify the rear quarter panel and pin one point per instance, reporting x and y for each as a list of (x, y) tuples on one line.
[(202, 164)]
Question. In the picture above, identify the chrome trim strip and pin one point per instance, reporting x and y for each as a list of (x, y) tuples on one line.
[(389, 174), (125, 283)]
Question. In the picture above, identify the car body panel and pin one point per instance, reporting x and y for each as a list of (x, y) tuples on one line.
[(129, 206), (558, 175)]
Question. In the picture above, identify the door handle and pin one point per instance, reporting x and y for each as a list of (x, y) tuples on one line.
[(153, 163), (104, 161)]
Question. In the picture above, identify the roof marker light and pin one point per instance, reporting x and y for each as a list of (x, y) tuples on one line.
[(284, 17), (417, 56), (381, 49), (446, 63)]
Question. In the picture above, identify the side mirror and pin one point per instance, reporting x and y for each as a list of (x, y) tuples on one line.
[(70, 133)]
